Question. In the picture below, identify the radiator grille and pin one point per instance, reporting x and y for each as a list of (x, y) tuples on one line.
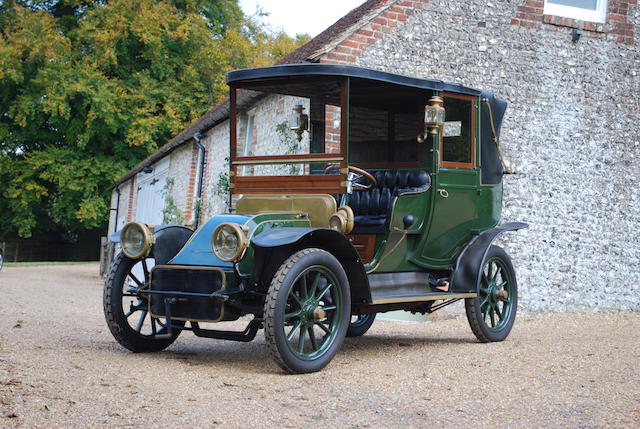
[(190, 280)]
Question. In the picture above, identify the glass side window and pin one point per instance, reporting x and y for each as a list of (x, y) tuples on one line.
[(458, 132)]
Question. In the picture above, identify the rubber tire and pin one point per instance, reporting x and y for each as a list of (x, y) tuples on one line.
[(472, 305), (360, 329), (114, 313), (274, 308)]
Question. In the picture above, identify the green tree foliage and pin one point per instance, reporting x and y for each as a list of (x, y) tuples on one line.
[(90, 88)]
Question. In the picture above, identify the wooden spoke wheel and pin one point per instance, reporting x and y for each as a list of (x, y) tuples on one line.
[(126, 308), (492, 313), (307, 311)]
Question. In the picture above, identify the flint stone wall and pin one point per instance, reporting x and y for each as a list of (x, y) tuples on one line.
[(572, 132)]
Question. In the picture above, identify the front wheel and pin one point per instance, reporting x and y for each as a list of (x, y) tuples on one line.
[(126, 308), (307, 311), (491, 314)]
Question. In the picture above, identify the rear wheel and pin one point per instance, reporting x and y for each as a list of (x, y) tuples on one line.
[(307, 311), (360, 324), (492, 313), (126, 310)]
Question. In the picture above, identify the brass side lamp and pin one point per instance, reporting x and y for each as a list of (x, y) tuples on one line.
[(299, 121), (434, 114)]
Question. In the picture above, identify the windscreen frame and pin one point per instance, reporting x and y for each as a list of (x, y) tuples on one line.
[(307, 183)]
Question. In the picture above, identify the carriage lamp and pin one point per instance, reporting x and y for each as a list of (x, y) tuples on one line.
[(299, 121), (229, 241), (434, 114), (136, 240)]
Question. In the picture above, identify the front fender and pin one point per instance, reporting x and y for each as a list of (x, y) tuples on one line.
[(169, 241), (272, 247), (471, 260)]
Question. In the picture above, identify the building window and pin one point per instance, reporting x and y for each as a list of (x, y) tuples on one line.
[(248, 132), (583, 10)]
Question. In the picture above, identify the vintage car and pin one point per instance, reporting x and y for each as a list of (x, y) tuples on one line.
[(353, 192)]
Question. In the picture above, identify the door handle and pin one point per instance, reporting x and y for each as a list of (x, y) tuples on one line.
[(443, 193)]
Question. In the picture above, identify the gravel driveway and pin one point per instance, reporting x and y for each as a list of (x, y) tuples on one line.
[(60, 367)]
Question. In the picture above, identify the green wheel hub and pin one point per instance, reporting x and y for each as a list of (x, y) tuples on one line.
[(495, 294), (313, 312)]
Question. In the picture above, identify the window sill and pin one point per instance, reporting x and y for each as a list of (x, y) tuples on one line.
[(560, 21)]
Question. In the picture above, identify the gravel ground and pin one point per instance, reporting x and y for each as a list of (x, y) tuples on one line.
[(60, 367)]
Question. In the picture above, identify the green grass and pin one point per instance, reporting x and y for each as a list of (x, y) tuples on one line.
[(27, 264)]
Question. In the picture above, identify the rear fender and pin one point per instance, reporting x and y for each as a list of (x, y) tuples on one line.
[(471, 260), (272, 247)]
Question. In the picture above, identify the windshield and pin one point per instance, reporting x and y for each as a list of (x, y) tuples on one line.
[(288, 130)]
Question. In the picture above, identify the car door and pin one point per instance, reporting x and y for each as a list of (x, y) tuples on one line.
[(455, 182)]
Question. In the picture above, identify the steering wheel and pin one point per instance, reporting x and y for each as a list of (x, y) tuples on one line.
[(356, 174)]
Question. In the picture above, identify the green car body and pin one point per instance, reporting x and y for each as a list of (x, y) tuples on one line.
[(427, 219)]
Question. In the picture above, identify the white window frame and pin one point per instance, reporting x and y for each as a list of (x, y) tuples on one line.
[(248, 139), (582, 14)]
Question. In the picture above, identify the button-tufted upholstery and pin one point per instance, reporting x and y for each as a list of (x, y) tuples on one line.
[(372, 208)]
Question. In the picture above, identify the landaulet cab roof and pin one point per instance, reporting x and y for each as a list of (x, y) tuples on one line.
[(311, 69)]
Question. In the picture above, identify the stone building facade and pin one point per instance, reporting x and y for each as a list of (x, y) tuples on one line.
[(572, 130)]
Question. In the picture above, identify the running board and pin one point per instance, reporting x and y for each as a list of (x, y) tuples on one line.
[(420, 298), (412, 286)]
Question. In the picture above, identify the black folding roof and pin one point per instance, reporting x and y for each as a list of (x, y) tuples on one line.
[(312, 69)]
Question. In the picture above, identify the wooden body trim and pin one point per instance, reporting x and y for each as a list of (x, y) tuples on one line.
[(309, 184)]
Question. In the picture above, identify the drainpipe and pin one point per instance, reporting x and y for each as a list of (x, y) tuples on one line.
[(115, 222), (203, 152)]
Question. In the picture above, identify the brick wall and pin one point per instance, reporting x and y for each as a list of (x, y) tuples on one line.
[(131, 200), (192, 174), (182, 170), (619, 25), (332, 132), (350, 49)]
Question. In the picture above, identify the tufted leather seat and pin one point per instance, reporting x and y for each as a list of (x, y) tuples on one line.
[(372, 208)]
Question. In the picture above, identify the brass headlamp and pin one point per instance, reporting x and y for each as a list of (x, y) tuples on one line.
[(136, 240), (229, 241)]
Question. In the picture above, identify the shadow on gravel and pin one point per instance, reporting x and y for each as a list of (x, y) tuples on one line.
[(383, 341), (254, 358)]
